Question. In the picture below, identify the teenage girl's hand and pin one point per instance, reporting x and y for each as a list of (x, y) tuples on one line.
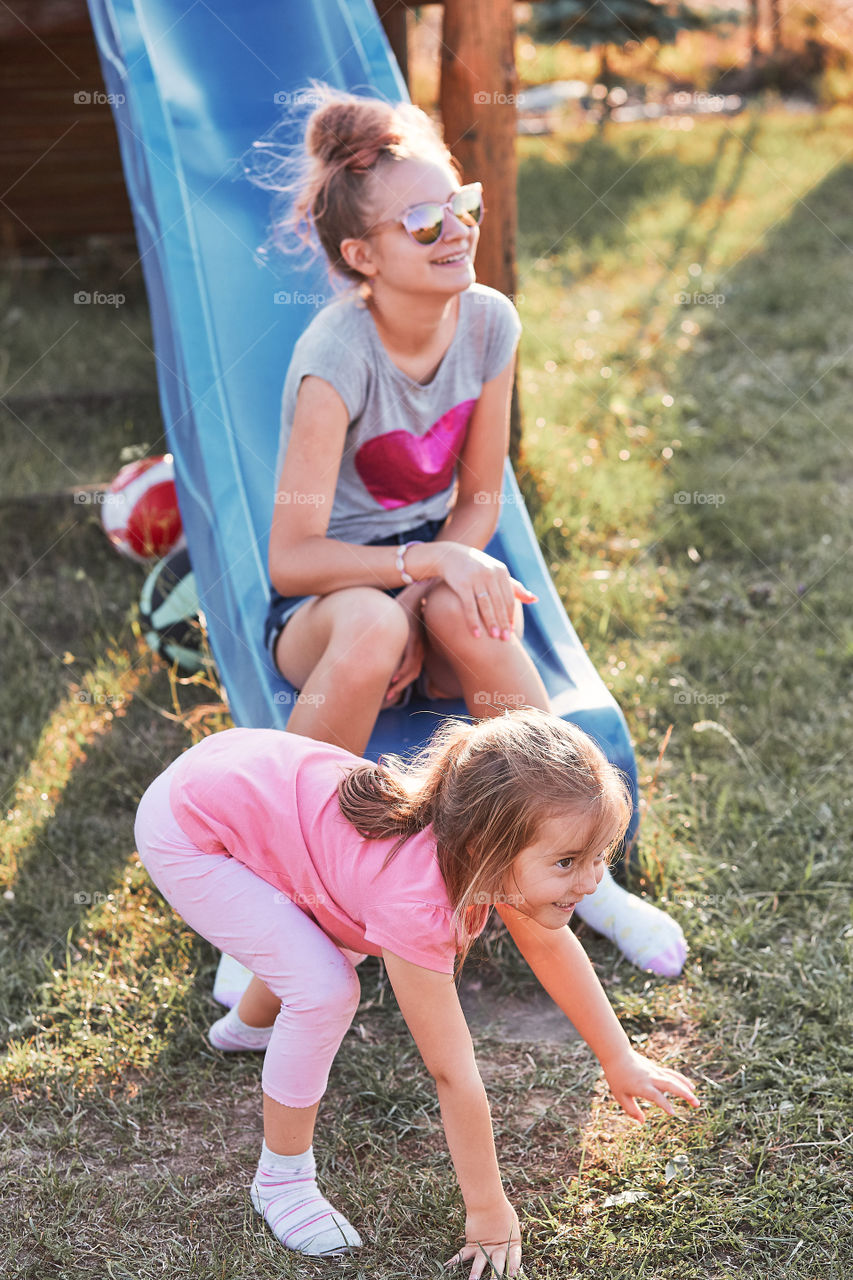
[(485, 586), (493, 1240), (632, 1075), (409, 667)]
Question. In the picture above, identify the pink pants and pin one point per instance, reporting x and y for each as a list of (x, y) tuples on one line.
[(244, 916)]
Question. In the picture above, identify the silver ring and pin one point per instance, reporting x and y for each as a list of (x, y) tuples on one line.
[(482, 593)]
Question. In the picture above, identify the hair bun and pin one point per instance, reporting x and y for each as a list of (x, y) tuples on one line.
[(351, 135)]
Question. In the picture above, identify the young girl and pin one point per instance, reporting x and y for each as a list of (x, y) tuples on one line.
[(395, 428), (298, 859)]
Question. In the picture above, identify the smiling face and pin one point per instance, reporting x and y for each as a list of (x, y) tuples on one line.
[(389, 258), (549, 877)]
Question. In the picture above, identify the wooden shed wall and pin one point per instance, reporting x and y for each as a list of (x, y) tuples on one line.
[(60, 169)]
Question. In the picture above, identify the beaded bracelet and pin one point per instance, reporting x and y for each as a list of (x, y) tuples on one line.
[(401, 567)]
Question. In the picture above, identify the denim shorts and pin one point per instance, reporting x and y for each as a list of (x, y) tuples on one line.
[(282, 608)]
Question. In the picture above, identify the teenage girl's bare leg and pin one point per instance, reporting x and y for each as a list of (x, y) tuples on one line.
[(341, 651), (491, 675)]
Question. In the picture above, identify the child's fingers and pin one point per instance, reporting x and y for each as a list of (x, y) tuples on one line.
[(630, 1107), (678, 1084), (494, 1261), (661, 1100), (660, 1095)]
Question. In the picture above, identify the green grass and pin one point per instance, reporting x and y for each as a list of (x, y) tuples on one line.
[(723, 629)]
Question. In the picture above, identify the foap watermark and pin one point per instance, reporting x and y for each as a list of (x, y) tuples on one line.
[(99, 699), (483, 299), (482, 99), (83, 898), (299, 498), (705, 101), (97, 98), (684, 697), (498, 698), (97, 497), (683, 498), (301, 899), (298, 98), (285, 698), (284, 298), (482, 497), (491, 899), (689, 900), (85, 299), (685, 299)]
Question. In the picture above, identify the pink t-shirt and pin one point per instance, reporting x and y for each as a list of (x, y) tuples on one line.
[(269, 799)]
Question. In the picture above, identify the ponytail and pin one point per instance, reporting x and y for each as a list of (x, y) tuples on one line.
[(400, 798), (375, 801), (486, 787)]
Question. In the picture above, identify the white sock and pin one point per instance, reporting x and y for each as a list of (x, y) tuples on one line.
[(286, 1194), (231, 1034), (643, 933), (232, 979)]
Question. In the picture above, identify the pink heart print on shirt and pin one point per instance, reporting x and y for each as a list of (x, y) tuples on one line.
[(398, 468)]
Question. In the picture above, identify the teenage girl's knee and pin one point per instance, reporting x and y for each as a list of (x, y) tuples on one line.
[(369, 632), (445, 620), (359, 629)]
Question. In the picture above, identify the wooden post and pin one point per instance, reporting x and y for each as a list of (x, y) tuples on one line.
[(393, 15), (477, 97)]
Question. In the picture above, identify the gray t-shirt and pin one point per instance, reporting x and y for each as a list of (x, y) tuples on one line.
[(403, 442)]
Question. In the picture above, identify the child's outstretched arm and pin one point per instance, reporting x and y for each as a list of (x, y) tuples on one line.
[(564, 969), (430, 1006)]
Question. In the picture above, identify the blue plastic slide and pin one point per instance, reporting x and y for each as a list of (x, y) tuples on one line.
[(193, 85)]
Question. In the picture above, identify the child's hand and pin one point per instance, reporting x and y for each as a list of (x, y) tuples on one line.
[(632, 1075), (493, 1240)]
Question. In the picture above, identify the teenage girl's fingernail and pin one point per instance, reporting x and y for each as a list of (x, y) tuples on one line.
[(494, 633), (506, 634), (477, 633)]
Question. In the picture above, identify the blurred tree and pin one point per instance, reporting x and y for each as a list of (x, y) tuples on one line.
[(602, 23), (754, 29)]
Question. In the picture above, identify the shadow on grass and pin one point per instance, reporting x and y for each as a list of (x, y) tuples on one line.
[(772, 397), (587, 193), (65, 593), (570, 196), (761, 541)]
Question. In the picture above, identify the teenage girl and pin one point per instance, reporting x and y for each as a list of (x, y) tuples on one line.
[(298, 859), (395, 428)]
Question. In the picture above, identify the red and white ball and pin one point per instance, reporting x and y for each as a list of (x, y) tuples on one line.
[(140, 509)]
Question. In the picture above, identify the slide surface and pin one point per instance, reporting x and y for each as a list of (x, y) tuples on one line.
[(194, 85)]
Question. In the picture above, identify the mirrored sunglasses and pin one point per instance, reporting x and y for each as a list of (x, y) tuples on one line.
[(425, 222)]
